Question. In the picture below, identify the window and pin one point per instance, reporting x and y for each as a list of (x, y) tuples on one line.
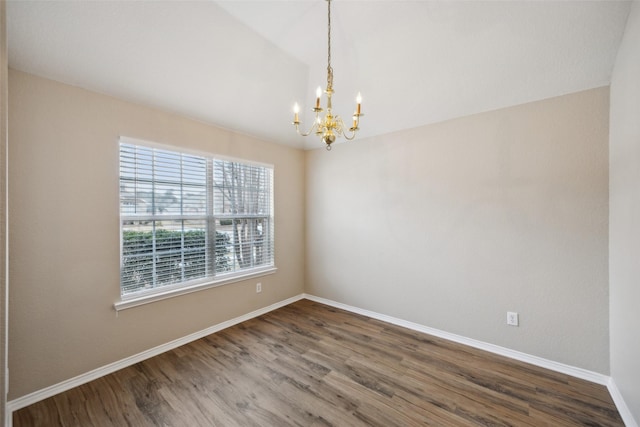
[(189, 219)]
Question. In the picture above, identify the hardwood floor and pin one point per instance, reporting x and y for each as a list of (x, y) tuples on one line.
[(308, 364)]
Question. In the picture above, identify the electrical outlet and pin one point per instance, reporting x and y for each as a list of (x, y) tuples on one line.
[(512, 318), (258, 287)]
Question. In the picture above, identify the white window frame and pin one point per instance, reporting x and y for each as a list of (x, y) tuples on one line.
[(212, 218)]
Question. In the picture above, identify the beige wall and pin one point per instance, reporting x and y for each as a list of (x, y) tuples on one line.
[(624, 214), (454, 224), (3, 199), (64, 243)]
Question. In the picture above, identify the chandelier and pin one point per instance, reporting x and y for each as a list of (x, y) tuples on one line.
[(329, 127)]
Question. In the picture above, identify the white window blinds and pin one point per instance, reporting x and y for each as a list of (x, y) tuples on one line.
[(187, 218)]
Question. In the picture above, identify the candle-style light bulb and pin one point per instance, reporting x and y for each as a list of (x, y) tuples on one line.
[(296, 110), (359, 102), (318, 95)]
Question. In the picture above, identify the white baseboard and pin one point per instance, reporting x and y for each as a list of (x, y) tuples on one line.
[(623, 409), (584, 374), (47, 392), (595, 377), (513, 354)]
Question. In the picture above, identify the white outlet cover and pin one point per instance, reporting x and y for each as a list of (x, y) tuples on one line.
[(512, 318)]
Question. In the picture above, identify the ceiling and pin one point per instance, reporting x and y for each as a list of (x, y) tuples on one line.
[(242, 64)]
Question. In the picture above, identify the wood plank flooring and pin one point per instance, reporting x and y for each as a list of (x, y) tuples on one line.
[(308, 364)]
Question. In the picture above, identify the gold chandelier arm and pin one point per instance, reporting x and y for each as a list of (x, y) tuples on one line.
[(314, 128), (347, 137), (342, 130), (353, 134), (306, 133)]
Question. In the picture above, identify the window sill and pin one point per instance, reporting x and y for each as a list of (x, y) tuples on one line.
[(135, 301)]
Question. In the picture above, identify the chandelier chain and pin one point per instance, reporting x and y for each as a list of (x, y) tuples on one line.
[(329, 69)]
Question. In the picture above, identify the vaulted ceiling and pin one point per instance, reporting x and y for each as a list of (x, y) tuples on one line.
[(242, 64)]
